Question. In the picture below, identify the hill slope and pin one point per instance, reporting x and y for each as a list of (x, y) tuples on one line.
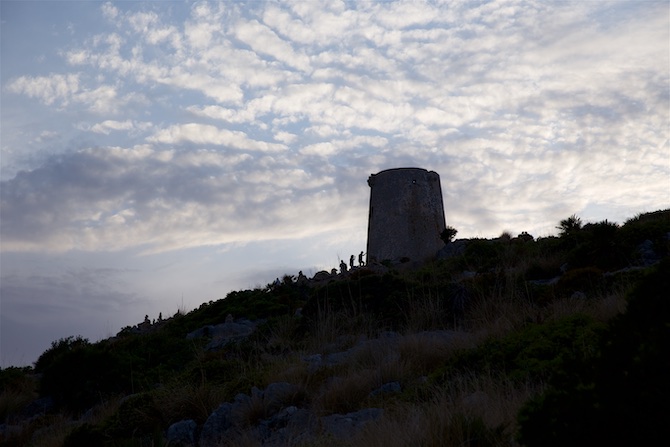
[(506, 341)]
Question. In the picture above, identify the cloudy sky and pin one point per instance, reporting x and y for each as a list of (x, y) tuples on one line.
[(159, 155)]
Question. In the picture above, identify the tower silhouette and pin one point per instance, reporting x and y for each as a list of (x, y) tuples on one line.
[(406, 215)]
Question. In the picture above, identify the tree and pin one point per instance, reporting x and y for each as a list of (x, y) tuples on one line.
[(448, 234), (570, 226)]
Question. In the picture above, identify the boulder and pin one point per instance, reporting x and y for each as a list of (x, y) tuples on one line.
[(216, 426), (344, 426), (224, 333), (387, 388), (182, 434)]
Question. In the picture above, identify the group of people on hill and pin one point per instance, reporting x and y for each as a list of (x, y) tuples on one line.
[(361, 263), (301, 279)]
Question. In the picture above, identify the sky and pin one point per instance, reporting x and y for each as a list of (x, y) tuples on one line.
[(158, 155)]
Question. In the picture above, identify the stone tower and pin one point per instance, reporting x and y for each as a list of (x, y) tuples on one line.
[(406, 215)]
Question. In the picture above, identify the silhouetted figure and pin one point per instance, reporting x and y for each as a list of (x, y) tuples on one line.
[(343, 267), (351, 261), (360, 259)]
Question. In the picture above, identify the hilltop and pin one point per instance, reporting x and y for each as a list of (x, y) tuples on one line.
[(500, 342)]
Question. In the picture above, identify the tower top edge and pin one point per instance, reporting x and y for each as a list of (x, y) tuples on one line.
[(384, 173), (401, 169)]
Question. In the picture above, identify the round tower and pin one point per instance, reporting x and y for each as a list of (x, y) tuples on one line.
[(406, 215)]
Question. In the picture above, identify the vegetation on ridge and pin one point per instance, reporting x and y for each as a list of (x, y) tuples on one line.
[(509, 341)]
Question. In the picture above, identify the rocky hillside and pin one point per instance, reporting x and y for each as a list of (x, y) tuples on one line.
[(508, 341)]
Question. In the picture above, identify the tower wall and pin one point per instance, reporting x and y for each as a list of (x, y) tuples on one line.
[(406, 215)]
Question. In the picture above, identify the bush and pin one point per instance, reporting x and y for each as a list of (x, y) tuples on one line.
[(85, 435), (620, 397), (536, 352), (136, 416), (481, 255), (385, 296), (82, 374), (75, 376), (448, 234), (59, 348), (15, 378), (588, 280)]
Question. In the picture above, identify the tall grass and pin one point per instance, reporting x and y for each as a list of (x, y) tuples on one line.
[(473, 410)]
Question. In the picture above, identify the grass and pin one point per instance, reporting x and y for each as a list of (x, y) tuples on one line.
[(472, 411)]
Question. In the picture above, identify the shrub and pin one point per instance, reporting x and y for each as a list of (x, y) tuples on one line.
[(73, 378), (82, 374), (58, 348), (537, 351), (85, 435), (17, 389), (448, 234), (385, 296), (481, 255), (619, 397), (587, 280), (136, 416)]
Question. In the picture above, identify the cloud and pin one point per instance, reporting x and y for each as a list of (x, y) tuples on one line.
[(48, 89), (108, 126), (109, 11), (527, 110), (205, 134), (66, 90), (114, 199), (265, 41)]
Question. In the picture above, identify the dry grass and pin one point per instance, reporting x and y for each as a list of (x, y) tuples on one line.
[(13, 401), (290, 368), (602, 307), (423, 352), (189, 402), (498, 317), (282, 336), (470, 411), (331, 328), (16, 396), (427, 313), (347, 393), (48, 431)]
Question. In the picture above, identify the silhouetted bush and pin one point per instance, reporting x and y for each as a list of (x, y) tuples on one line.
[(83, 374), (57, 349), (137, 416), (537, 351), (382, 295), (654, 227), (570, 226), (15, 378), (86, 435), (620, 397), (76, 379), (588, 280), (448, 234), (481, 255)]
